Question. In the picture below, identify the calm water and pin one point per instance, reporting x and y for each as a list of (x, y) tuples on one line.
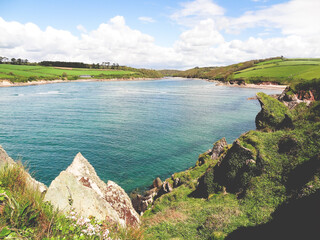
[(131, 132)]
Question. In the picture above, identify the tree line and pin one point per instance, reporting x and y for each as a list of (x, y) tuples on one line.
[(19, 61), (15, 61)]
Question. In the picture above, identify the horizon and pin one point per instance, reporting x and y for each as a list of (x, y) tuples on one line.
[(159, 35)]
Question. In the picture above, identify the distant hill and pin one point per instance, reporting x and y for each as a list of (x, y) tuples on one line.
[(277, 70)]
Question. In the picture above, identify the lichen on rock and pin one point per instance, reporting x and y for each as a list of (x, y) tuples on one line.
[(80, 188)]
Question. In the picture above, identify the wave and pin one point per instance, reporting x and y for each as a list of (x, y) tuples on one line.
[(50, 93)]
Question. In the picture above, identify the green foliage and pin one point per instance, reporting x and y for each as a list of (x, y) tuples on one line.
[(273, 115), (221, 73), (284, 165)]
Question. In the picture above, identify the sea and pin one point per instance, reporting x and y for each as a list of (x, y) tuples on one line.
[(130, 131)]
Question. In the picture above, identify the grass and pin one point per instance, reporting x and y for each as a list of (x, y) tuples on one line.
[(286, 71), (25, 215), (279, 155), (22, 73), (278, 70)]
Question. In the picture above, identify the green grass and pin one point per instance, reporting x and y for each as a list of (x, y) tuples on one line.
[(285, 71), (277, 155), (25, 215), (27, 73)]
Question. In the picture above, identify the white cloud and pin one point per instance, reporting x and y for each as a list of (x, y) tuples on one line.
[(113, 41), (146, 19), (201, 44), (196, 11)]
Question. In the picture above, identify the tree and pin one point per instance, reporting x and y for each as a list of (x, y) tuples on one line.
[(13, 61)]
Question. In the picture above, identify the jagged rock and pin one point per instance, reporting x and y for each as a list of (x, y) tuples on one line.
[(121, 202), (141, 203), (80, 188), (165, 188), (233, 173), (176, 182), (157, 183), (237, 163), (6, 160), (218, 148)]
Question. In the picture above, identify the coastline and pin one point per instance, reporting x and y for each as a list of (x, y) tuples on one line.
[(251, 85), (7, 83)]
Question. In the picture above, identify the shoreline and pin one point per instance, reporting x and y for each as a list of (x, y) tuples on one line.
[(251, 85), (8, 83)]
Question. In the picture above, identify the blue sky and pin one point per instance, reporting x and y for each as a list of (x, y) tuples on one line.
[(159, 34)]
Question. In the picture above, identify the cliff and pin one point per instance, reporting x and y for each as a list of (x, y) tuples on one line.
[(267, 180)]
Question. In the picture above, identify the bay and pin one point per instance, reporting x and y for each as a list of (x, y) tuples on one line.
[(130, 131)]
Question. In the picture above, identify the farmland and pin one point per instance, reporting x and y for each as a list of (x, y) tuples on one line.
[(23, 73), (278, 70), (288, 70)]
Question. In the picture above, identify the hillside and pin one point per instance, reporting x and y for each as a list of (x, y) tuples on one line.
[(267, 180), (24, 73), (277, 70)]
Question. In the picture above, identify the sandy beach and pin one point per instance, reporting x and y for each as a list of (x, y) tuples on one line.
[(7, 83)]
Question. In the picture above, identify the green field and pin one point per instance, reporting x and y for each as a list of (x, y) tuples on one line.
[(288, 70), (21, 73)]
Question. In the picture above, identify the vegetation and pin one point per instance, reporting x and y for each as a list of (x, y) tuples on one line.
[(278, 70), (25, 215), (23, 71), (261, 175)]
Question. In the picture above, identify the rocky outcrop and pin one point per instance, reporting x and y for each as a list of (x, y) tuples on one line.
[(291, 99), (218, 148), (159, 188), (274, 115), (157, 183), (31, 182), (232, 173), (80, 188)]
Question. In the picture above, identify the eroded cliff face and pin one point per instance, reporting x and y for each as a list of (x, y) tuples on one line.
[(79, 188), (5, 160)]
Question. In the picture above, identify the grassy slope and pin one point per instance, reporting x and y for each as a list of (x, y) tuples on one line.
[(178, 215), (20, 73), (283, 71)]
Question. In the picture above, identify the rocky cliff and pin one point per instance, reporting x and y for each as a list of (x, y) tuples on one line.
[(257, 181), (79, 188)]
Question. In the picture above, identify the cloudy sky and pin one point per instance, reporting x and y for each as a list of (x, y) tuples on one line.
[(159, 34)]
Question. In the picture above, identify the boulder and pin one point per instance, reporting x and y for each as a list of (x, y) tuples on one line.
[(176, 182), (34, 184), (165, 188), (218, 148), (157, 183), (80, 188)]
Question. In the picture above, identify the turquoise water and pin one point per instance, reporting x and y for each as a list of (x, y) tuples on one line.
[(131, 132)]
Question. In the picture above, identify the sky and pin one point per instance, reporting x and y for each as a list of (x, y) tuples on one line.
[(159, 34)]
